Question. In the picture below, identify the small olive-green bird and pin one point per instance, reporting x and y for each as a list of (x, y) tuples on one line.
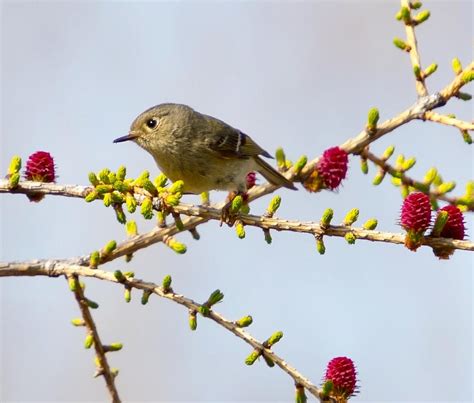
[(204, 152)]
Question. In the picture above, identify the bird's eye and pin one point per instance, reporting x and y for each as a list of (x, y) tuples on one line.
[(151, 123)]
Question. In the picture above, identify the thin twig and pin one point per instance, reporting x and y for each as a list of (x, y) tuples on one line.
[(92, 328), (447, 120), (56, 268)]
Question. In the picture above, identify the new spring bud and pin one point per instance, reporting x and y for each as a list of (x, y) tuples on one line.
[(121, 186), (244, 322), (14, 180), (178, 222), (396, 181), (91, 304), (273, 339), (464, 96), (430, 176), (103, 189), (131, 228), (403, 15), (457, 66), (113, 347), (112, 178), (91, 196), (205, 198), (408, 164), (326, 218), (421, 17), (250, 360), (89, 341), (327, 387), (121, 173), (150, 187), (173, 199), (160, 181), (440, 222), (364, 167), (468, 76), (417, 72), (131, 203), (280, 158), (415, 5), (214, 298), (236, 204), (121, 218), (378, 178), (404, 191), (446, 187), (192, 320), (146, 296), (107, 199), (127, 294), (166, 284), (267, 235), (300, 164), (268, 361), (466, 137), (73, 283), (94, 259), (239, 229), (110, 247), (93, 179), (119, 276), (372, 119), (15, 165), (399, 43), (300, 396), (176, 187), (388, 152), (204, 310), (147, 208), (78, 322), (161, 219), (104, 176), (273, 206), (430, 69), (350, 238), (351, 217), (320, 247), (178, 247), (370, 224)]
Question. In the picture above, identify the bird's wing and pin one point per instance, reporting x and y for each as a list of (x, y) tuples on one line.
[(232, 143)]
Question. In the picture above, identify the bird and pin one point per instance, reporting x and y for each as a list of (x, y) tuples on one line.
[(202, 151)]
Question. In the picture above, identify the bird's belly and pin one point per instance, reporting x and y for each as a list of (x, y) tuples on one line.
[(205, 174)]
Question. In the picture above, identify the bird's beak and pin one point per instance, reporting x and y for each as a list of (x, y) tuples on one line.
[(129, 136)]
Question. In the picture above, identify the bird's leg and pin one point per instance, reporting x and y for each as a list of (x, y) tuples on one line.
[(227, 215)]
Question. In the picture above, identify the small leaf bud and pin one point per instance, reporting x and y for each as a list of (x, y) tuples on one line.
[(147, 208), (176, 187), (146, 296), (240, 229), (372, 119), (15, 165), (273, 206), (127, 294), (93, 179), (131, 203), (370, 224), (244, 322), (430, 70), (192, 320), (401, 44), (78, 322), (273, 339), (457, 67), (131, 228), (320, 247), (250, 360), (350, 238), (121, 173), (94, 259), (421, 17), (280, 158), (91, 196), (166, 284), (89, 341), (351, 217)]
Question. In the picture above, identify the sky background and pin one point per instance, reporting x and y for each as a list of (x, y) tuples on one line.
[(301, 75)]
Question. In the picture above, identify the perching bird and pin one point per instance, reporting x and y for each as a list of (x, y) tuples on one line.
[(204, 152)]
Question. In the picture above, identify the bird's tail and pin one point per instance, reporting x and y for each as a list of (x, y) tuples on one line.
[(273, 176)]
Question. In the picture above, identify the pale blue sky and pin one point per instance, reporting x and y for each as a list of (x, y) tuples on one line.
[(297, 74)]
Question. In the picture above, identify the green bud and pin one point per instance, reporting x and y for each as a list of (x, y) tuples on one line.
[(417, 72), (127, 294), (430, 176), (121, 186), (415, 5), (466, 137), (364, 167), (388, 152), (326, 218), (438, 180), (464, 96), (468, 76), (327, 387), (117, 197), (129, 274), (15, 165), (236, 204), (405, 191), (91, 196), (89, 341), (300, 164), (239, 229), (102, 189), (421, 17), (372, 119), (131, 228), (78, 322), (430, 69), (178, 222), (119, 276), (107, 199), (408, 164), (396, 181), (104, 176), (351, 217), (173, 199), (205, 198), (245, 209), (150, 187), (178, 247), (131, 203), (446, 187), (244, 321), (267, 235), (160, 181), (403, 15), (204, 310), (94, 259), (250, 360), (192, 321), (161, 219), (112, 178), (121, 173), (274, 205), (273, 339), (268, 361), (370, 224), (13, 180), (399, 161), (91, 304), (114, 372), (280, 158), (378, 178), (119, 214), (73, 283), (176, 187), (457, 66), (146, 296), (93, 179), (113, 347), (110, 247), (440, 222), (320, 247), (434, 204), (166, 283), (147, 208), (300, 396), (350, 238), (215, 297), (399, 43)]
